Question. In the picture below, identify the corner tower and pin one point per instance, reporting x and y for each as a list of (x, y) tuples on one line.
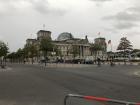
[(43, 34)]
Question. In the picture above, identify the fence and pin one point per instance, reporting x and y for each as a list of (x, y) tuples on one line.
[(104, 101)]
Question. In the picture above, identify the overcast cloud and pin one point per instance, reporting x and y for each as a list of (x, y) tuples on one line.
[(21, 19), (126, 19), (101, 0)]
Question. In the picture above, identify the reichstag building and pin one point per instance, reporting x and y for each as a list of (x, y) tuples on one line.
[(65, 41)]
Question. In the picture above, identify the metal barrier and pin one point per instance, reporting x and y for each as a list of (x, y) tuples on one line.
[(99, 99)]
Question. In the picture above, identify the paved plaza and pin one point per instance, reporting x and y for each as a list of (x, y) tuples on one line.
[(25, 84)]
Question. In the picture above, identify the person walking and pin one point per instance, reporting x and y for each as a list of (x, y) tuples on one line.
[(98, 61)]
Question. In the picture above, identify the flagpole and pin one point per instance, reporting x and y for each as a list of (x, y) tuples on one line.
[(111, 47), (110, 43), (99, 34)]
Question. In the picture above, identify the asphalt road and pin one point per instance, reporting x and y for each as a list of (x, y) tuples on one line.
[(35, 85)]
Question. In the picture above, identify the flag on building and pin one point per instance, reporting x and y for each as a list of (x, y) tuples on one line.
[(109, 42)]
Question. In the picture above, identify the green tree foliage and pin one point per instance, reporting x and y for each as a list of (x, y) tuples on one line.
[(33, 51), (30, 51), (20, 53), (57, 51), (12, 56), (125, 45), (26, 50), (95, 48), (17, 56), (74, 50), (3, 49), (46, 46)]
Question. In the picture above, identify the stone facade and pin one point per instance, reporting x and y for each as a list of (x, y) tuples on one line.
[(31, 41), (66, 47), (42, 34), (102, 42), (66, 44)]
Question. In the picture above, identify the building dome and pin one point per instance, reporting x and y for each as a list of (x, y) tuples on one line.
[(65, 36)]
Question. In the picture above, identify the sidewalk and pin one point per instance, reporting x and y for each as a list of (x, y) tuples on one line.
[(63, 65), (122, 63)]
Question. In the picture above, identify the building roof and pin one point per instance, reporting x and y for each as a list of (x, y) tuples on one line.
[(72, 41), (64, 36), (43, 31), (30, 39), (100, 38)]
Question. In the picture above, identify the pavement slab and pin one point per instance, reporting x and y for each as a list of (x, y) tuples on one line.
[(34, 85)]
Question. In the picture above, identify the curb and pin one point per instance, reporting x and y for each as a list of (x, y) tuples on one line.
[(66, 66)]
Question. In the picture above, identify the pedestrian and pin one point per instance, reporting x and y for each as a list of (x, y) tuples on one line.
[(98, 61), (24, 61)]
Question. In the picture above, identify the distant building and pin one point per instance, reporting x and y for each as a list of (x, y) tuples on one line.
[(31, 41), (102, 42), (66, 41), (42, 34), (65, 36)]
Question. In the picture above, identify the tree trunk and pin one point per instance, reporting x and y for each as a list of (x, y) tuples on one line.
[(32, 61), (124, 57)]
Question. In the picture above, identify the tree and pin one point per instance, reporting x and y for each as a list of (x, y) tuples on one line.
[(17, 56), (30, 51), (57, 51), (3, 49), (74, 50), (12, 57), (3, 52), (26, 50), (95, 48), (125, 46), (46, 46)]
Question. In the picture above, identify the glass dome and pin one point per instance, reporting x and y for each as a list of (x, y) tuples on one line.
[(65, 36)]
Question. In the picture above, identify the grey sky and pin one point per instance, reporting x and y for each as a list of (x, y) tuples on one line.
[(21, 19)]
